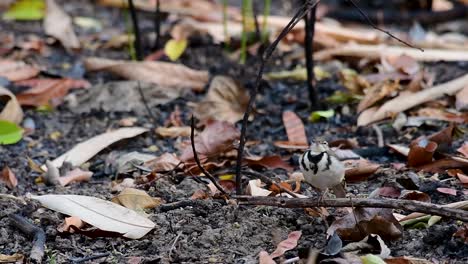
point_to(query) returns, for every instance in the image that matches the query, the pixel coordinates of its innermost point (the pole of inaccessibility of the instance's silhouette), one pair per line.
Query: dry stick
(197, 160)
(413, 206)
(157, 25)
(39, 239)
(309, 53)
(145, 103)
(379, 29)
(264, 57)
(269, 181)
(136, 31)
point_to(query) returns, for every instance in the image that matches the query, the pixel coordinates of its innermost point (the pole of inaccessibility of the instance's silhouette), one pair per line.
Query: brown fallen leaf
(17, 70)
(58, 24)
(173, 132)
(76, 175)
(166, 74)
(359, 170)
(67, 224)
(406, 101)
(376, 93)
(403, 63)
(378, 221)
(272, 162)
(294, 128)
(11, 110)
(440, 114)
(9, 178)
(462, 233)
(407, 260)
(461, 99)
(448, 191)
(217, 137)
(415, 196)
(463, 178)
(421, 152)
(165, 162)
(264, 258)
(48, 91)
(441, 165)
(136, 199)
(226, 100)
(200, 195)
(287, 244)
(464, 149)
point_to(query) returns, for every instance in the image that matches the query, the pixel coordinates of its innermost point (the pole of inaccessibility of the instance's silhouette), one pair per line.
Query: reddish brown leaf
(421, 152)
(275, 189)
(48, 91)
(67, 224)
(403, 63)
(462, 233)
(217, 137)
(272, 162)
(415, 196)
(448, 191)
(442, 165)
(165, 162)
(407, 260)
(265, 258)
(76, 175)
(464, 149)
(461, 102)
(17, 70)
(444, 137)
(358, 170)
(288, 244)
(389, 191)
(443, 115)
(9, 178)
(294, 128)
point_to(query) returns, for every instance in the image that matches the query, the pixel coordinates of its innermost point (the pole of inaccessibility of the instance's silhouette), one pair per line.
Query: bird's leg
(322, 194)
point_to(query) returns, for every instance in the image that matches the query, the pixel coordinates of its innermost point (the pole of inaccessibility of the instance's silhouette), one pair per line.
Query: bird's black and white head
(318, 147)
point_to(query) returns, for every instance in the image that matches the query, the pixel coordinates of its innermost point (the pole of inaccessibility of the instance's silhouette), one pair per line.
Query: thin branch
(309, 53)
(264, 57)
(136, 31)
(378, 28)
(145, 103)
(39, 238)
(408, 205)
(269, 181)
(197, 160)
(157, 25)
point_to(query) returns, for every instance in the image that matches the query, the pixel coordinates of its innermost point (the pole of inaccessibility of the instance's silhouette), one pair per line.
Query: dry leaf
(226, 100)
(12, 110)
(15, 258)
(170, 75)
(48, 91)
(358, 170)
(264, 258)
(165, 162)
(407, 260)
(271, 162)
(288, 244)
(85, 150)
(403, 63)
(136, 199)
(448, 191)
(461, 98)
(9, 178)
(67, 224)
(464, 149)
(440, 114)
(217, 137)
(440, 166)
(102, 214)
(173, 132)
(290, 145)
(421, 152)
(254, 188)
(406, 101)
(376, 93)
(294, 128)
(76, 175)
(17, 70)
(58, 24)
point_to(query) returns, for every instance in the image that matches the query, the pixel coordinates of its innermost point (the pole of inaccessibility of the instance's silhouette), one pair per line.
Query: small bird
(321, 168)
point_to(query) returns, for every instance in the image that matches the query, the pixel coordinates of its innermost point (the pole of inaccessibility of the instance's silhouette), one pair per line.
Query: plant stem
(309, 53)
(266, 13)
(157, 25)
(136, 31)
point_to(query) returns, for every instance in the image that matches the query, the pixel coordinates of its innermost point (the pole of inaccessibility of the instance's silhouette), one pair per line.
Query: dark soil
(209, 231)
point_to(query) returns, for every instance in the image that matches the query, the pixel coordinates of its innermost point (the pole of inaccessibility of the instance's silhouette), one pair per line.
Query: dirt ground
(209, 231)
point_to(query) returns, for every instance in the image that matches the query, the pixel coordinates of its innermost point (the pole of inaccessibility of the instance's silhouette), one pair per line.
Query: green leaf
(372, 259)
(317, 115)
(10, 133)
(339, 97)
(26, 10)
(175, 48)
(417, 223)
(299, 74)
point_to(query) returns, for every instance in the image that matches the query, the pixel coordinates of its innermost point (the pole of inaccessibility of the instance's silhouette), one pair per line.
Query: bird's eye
(325, 143)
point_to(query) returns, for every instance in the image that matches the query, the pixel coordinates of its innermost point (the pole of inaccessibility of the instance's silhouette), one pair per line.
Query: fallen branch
(376, 51)
(39, 239)
(408, 205)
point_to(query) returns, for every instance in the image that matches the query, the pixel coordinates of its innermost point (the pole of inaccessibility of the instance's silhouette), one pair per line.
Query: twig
(269, 181)
(264, 57)
(257, 25)
(379, 134)
(412, 206)
(309, 53)
(136, 31)
(197, 160)
(145, 103)
(179, 204)
(174, 243)
(84, 259)
(157, 26)
(39, 239)
(378, 28)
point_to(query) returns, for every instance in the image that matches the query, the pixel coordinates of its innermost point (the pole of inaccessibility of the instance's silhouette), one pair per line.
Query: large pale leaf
(58, 24)
(102, 214)
(12, 110)
(163, 73)
(85, 150)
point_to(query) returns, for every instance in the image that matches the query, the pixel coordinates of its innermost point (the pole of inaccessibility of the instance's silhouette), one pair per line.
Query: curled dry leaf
(136, 199)
(173, 132)
(85, 150)
(358, 170)
(76, 175)
(217, 137)
(11, 110)
(406, 101)
(102, 214)
(378, 221)
(166, 74)
(165, 162)
(58, 24)
(295, 128)
(377, 92)
(271, 162)
(9, 178)
(254, 188)
(17, 70)
(48, 91)
(461, 102)
(70, 224)
(421, 152)
(288, 244)
(226, 100)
